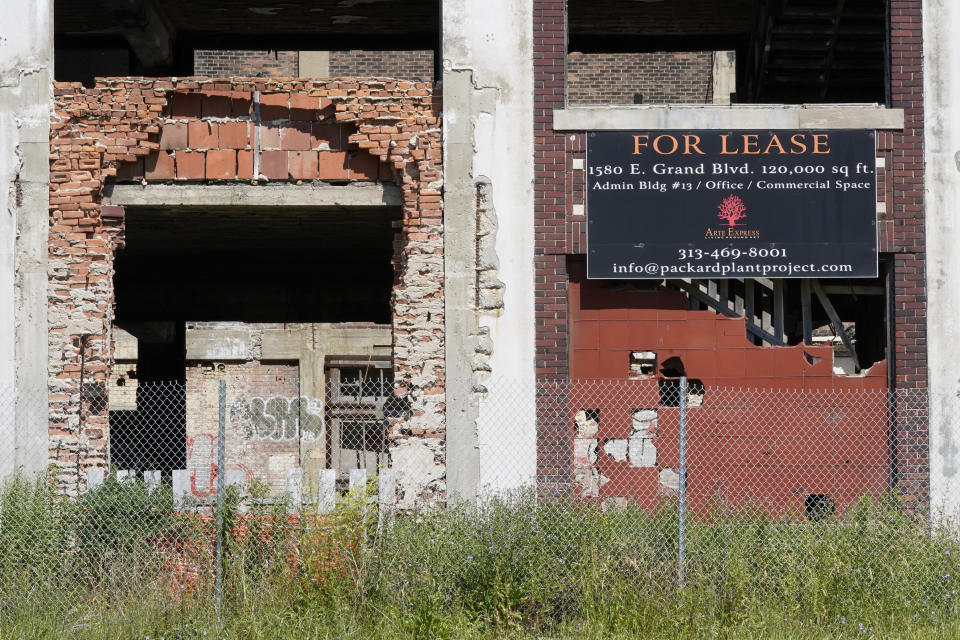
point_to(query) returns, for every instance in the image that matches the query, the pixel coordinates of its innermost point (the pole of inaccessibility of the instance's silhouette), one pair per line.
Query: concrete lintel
(739, 116)
(373, 340)
(222, 344)
(314, 196)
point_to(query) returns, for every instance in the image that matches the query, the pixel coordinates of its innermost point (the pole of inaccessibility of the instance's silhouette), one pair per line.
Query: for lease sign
(731, 204)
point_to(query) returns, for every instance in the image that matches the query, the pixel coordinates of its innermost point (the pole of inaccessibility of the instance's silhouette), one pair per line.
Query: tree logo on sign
(731, 210)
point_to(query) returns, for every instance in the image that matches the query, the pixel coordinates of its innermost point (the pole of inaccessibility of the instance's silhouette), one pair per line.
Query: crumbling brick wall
(117, 130)
(657, 77)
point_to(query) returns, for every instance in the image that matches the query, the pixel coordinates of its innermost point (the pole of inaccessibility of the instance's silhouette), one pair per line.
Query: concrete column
(941, 69)
(488, 244)
(724, 76)
(26, 74)
(314, 64)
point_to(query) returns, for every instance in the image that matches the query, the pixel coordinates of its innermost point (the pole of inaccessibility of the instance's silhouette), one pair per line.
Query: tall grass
(120, 563)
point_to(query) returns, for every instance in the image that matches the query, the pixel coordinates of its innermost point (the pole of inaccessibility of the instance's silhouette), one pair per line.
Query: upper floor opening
(736, 51)
(222, 38)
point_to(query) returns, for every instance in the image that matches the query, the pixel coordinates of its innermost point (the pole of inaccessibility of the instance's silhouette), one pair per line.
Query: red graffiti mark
(247, 470)
(208, 491)
(203, 449)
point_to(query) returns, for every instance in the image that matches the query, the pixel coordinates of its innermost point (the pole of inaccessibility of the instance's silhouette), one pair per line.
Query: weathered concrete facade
(487, 75)
(941, 85)
(26, 74)
(491, 229)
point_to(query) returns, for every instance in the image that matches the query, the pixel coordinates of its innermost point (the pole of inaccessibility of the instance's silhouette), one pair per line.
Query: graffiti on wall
(279, 418)
(201, 457)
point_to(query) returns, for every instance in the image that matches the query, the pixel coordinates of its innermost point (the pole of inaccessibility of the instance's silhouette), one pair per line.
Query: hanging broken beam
(835, 319)
(694, 292)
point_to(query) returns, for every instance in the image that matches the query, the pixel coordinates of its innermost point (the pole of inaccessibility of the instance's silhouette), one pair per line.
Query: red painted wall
(772, 428)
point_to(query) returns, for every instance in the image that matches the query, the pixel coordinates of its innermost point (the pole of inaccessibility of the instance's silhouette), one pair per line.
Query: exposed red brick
(269, 137)
(296, 137)
(241, 104)
(303, 165)
(159, 165)
(325, 134)
(333, 165)
(302, 102)
(190, 165)
(203, 135)
(221, 164)
(273, 165)
(173, 135)
(245, 165)
(185, 105)
(130, 170)
(363, 166)
(108, 130)
(274, 106)
(234, 135)
(215, 105)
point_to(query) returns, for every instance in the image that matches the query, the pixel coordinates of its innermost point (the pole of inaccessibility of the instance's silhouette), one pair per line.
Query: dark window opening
(748, 51)
(222, 39)
(818, 506)
(670, 392)
(359, 402)
(255, 266)
(148, 403)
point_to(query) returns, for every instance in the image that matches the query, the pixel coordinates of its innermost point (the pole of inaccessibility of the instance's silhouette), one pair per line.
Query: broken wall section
(655, 77)
(100, 133)
(408, 64)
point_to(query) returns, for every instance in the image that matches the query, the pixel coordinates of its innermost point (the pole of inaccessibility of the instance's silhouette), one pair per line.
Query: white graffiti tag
(279, 418)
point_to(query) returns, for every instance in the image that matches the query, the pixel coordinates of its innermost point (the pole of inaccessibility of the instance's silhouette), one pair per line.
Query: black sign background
(669, 220)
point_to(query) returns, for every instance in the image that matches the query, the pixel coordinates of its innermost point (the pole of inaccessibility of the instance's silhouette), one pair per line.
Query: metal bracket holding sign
(731, 204)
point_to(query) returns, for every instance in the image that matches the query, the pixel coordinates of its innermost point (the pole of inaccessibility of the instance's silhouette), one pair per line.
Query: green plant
(509, 567)
(121, 515)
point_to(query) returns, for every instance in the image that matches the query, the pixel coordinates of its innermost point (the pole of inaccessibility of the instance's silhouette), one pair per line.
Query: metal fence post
(221, 473)
(682, 521)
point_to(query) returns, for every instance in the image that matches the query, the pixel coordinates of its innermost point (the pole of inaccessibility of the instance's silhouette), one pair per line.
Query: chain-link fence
(654, 487)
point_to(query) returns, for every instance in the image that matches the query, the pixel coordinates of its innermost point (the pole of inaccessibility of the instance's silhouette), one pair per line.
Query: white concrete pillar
(488, 156)
(26, 74)
(941, 21)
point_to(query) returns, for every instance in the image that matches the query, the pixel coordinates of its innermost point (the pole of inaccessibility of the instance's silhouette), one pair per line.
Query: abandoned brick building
(388, 201)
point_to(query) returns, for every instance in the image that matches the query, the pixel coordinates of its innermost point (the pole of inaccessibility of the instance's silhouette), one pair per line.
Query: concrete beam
(739, 116)
(314, 196)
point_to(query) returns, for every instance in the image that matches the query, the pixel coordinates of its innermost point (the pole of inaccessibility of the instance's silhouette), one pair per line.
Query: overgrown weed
(119, 562)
